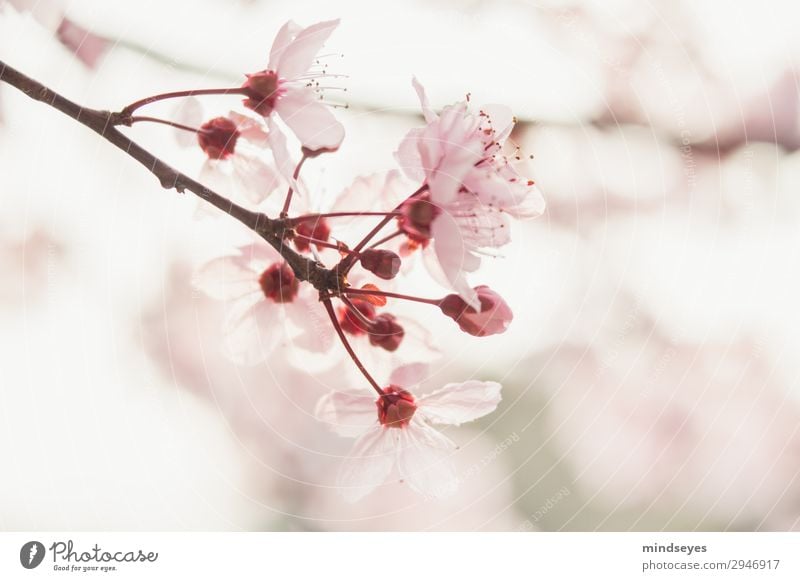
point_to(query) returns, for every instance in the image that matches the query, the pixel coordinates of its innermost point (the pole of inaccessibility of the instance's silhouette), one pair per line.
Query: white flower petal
(409, 157)
(456, 403)
(427, 112)
(188, 112)
(297, 55)
(454, 258)
(347, 413)
(251, 129)
(310, 317)
(368, 465)
(283, 39)
(310, 120)
(226, 278)
(280, 151)
(423, 459)
(418, 344)
(253, 333)
(501, 120)
(255, 179)
(409, 375)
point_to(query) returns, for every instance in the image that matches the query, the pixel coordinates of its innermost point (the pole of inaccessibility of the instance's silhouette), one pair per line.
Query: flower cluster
(452, 202)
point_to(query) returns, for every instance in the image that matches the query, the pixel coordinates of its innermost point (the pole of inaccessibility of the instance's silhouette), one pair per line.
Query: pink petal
(189, 112)
(297, 56)
(408, 155)
(456, 403)
(371, 193)
(280, 151)
(253, 333)
(368, 465)
(495, 190)
(427, 112)
(409, 375)
(481, 226)
(347, 413)
(226, 278)
(254, 178)
(419, 344)
(87, 46)
(529, 205)
(310, 120)
(283, 39)
(308, 315)
(502, 121)
(423, 460)
(457, 161)
(253, 130)
(454, 258)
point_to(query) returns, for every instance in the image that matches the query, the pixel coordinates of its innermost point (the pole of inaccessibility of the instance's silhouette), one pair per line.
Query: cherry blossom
(266, 303)
(395, 431)
(236, 147)
(289, 87)
(471, 188)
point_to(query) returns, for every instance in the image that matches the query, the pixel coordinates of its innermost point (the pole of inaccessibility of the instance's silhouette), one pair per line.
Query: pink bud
(386, 332)
(396, 407)
(382, 263)
(494, 317)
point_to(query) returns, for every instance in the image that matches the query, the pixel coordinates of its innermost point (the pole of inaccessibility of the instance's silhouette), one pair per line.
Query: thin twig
(105, 123)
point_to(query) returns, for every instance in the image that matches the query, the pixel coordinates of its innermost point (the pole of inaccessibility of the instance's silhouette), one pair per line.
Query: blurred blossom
(702, 430)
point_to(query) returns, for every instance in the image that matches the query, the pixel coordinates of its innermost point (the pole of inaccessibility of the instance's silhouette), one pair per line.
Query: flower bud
(494, 316)
(386, 332)
(382, 263)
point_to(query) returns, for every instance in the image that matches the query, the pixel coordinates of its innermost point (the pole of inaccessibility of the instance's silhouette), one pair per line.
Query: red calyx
(416, 216)
(396, 407)
(386, 332)
(279, 283)
(317, 229)
(262, 91)
(218, 138)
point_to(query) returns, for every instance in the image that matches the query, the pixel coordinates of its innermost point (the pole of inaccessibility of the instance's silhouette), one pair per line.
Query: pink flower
(289, 88)
(267, 303)
(395, 430)
(472, 188)
(237, 149)
(461, 152)
(493, 317)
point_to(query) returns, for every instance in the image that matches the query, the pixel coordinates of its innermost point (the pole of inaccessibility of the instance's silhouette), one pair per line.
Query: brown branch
(105, 123)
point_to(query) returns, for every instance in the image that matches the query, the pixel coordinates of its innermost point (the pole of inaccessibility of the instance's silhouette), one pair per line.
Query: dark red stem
(380, 293)
(128, 111)
(348, 348)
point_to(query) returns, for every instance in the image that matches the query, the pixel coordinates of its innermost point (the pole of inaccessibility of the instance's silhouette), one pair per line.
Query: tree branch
(105, 123)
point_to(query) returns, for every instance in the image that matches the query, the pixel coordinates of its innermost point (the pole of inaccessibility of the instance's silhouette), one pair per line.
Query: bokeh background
(650, 375)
